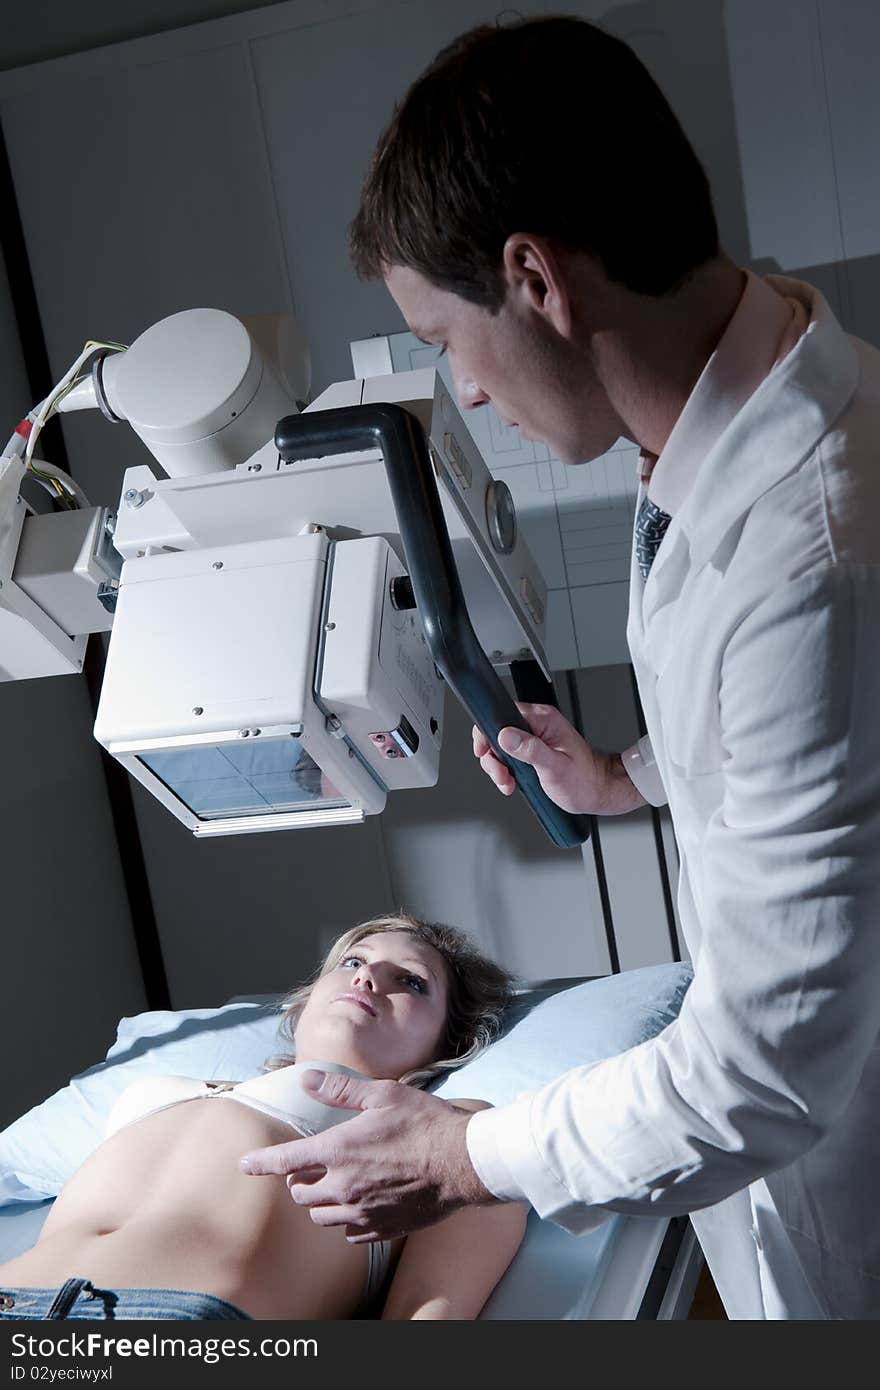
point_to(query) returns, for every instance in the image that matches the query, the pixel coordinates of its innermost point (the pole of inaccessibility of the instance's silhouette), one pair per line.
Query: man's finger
(356, 1237)
(550, 725)
(529, 748)
(280, 1159)
(312, 1193)
(497, 773)
(305, 1176)
(337, 1216)
(491, 764)
(346, 1092)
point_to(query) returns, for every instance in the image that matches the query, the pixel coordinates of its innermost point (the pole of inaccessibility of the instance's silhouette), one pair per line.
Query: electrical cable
(24, 438)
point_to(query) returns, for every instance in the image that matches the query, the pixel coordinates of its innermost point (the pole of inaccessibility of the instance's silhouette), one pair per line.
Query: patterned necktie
(651, 527)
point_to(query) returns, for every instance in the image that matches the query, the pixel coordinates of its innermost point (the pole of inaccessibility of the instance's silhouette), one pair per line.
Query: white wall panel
(69, 965)
(561, 635)
(251, 914)
(850, 36)
(633, 868)
(670, 852)
(159, 201)
(14, 399)
(785, 151)
(684, 45)
(599, 612)
(850, 42)
(465, 854)
(327, 93)
(69, 961)
(635, 888)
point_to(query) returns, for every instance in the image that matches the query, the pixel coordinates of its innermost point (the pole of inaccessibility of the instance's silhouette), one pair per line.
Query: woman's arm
(449, 1270)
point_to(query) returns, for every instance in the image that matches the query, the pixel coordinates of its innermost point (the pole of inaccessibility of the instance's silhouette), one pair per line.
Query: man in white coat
(571, 269)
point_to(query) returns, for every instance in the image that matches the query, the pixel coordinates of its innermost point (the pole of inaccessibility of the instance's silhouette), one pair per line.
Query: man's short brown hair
(547, 126)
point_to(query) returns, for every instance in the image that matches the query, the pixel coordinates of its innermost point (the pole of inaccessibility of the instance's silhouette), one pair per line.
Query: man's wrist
(621, 793)
(465, 1187)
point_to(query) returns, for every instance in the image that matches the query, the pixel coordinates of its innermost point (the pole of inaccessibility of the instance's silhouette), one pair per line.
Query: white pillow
(42, 1149)
(584, 1024)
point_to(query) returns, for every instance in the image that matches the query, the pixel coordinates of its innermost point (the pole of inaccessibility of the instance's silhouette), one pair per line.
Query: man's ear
(536, 276)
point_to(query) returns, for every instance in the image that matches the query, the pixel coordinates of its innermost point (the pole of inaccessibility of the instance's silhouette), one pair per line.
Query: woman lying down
(160, 1222)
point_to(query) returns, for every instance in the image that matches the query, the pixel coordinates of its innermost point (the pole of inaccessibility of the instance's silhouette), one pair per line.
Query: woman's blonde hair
(478, 992)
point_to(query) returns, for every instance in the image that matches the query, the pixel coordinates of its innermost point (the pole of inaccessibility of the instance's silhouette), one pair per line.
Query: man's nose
(469, 394)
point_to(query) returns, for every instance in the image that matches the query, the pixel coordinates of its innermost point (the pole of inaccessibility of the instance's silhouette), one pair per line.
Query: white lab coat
(756, 643)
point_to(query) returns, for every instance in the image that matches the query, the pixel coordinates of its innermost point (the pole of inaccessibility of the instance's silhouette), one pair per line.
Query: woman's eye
(350, 961)
(416, 982)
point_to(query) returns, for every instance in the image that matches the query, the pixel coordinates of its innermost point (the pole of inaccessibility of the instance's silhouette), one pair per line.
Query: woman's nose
(363, 979)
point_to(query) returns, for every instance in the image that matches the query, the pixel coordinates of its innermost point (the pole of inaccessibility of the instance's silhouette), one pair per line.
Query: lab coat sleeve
(642, 770)
(773, 1033)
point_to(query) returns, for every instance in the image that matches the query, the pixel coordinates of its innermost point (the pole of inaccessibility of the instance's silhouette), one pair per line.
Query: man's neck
(650, 351)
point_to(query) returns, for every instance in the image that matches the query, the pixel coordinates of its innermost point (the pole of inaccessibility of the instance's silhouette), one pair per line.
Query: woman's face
(382, 1010)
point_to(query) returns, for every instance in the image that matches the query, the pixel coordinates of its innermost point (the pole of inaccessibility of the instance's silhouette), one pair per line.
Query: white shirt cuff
(508, 1162)
(642, 770)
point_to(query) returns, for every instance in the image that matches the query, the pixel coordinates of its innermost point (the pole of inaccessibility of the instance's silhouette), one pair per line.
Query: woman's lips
(357, 999)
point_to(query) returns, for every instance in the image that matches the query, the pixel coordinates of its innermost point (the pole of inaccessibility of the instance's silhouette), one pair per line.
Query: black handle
(450, 636)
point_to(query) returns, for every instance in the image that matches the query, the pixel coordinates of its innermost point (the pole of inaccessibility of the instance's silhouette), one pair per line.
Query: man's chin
(573, 453)
(572, 457)
(586, 451)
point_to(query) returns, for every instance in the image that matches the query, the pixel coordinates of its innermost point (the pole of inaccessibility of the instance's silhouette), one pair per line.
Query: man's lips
(357, 999)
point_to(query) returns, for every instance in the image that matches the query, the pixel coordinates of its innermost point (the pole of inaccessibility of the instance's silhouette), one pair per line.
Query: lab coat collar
(750, 344)
(793, 407)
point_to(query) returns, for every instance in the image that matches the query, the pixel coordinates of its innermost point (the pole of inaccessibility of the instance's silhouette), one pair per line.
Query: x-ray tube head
(200, 386)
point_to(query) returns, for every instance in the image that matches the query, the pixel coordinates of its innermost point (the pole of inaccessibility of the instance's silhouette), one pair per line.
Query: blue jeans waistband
(80, 1300)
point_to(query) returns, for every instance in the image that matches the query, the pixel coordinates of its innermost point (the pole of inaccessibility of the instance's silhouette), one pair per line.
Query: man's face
(534, 377)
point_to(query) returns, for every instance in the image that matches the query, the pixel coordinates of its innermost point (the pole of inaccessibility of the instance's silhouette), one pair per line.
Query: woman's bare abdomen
(164, 1204)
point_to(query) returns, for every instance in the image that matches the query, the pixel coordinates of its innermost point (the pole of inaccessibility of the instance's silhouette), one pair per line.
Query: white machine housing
(199, 387)
(234, 670)
(33, 640)
(267, 667)
(260, 596)
(202, 389)
(349, 496)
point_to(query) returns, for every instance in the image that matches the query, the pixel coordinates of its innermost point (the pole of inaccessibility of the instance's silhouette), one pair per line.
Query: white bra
(276, 1093)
